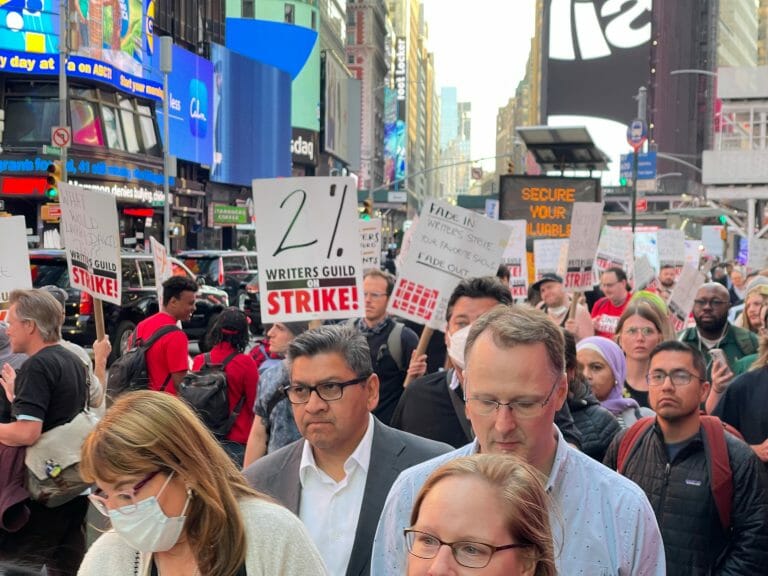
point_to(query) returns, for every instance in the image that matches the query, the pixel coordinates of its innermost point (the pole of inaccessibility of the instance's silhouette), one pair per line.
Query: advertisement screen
(190, 124)
(394, 139)
(108, 41)
(336, 109)
(251, 119)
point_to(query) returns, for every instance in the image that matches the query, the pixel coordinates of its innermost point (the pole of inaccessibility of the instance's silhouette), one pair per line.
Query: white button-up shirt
(329, 509)
(603, 521)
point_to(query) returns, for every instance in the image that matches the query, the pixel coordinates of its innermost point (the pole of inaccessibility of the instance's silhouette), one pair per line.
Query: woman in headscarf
(604, 366)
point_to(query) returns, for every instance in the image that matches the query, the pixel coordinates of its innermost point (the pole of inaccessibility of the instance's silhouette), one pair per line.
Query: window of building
(29, 120)
(129, 126)
(112, 128)
(86, 128)
(350, 58)
(314, 20)
(148, 132)
(248, 9)
(290, 14)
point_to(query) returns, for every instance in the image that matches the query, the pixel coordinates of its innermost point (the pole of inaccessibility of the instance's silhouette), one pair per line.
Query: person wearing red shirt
(230, 335)
(168, 358)
(607, 311)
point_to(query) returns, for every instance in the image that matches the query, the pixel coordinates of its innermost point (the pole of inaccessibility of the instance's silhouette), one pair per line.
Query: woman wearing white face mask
(177, 504)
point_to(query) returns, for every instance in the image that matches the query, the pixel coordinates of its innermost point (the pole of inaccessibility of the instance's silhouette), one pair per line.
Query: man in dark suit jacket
(337, 477)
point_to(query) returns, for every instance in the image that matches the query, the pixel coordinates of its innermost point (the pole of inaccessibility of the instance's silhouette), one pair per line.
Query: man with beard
(607, 311)
(666, 281)
(556, 302)
(712, 330)
(671, 460)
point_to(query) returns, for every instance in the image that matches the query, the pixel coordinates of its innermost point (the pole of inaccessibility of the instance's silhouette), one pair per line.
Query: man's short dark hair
(666, 266)
(621, 276)
(481, 287)
(384, 275)
(503, 273)
(699, 365)
(175, 285)
(342, 339)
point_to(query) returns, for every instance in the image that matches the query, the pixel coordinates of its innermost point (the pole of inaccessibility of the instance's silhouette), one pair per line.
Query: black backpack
(129, 372)
(206, 392)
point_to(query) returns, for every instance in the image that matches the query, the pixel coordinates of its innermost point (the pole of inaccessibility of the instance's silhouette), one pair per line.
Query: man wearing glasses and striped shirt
(514, 383)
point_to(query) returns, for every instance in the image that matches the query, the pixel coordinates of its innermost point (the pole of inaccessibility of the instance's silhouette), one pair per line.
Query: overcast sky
(481, 47)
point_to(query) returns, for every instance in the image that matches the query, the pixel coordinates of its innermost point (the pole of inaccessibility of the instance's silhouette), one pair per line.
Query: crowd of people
(570, 434)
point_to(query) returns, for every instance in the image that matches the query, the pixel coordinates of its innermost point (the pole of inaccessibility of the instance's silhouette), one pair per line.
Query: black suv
(235, 272)
(139, 299)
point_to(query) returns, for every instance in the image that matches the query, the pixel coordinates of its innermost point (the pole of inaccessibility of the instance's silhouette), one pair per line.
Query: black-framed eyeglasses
(468, 554)
(328, 391)
(678, 377)
(521, 408)
(714, 303)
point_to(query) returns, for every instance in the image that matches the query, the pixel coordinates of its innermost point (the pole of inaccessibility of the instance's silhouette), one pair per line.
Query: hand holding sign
(309, 241)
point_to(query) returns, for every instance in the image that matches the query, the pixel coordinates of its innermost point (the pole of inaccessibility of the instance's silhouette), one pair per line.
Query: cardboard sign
(514, 258)
(405, 245)
(684, 293)
(14, 260)
(370, 243)
(585, 235)
(671, 249)
(692, 253)
(449, 245)
(550, 256)
(91, 241)
(644, 273)
(758, 254)
(163, 267)
(615, 250)
(309, 249)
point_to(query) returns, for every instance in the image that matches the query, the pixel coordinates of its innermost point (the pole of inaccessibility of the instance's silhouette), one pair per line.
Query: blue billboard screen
(190, 85)
(251, 119)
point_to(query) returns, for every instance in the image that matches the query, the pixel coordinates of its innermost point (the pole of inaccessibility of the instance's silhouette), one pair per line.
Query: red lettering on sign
(98, 285)
(331, 299)
(302, 301)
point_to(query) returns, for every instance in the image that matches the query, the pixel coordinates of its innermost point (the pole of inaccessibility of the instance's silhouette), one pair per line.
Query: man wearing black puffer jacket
(670, 461)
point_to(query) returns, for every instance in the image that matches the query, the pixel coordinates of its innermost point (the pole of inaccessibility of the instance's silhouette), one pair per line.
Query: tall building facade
(368, 59)
(737, 33)
(455, 152)
(762, 33)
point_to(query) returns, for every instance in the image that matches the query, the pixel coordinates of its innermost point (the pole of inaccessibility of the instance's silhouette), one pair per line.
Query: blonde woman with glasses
(177, 504)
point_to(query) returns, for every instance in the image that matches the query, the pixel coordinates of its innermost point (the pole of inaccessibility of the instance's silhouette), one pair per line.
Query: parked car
(235, 272)
(139, 300)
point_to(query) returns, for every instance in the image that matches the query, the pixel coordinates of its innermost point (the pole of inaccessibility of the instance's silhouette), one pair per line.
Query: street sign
(646, 166)
(642, 205)
(637, 134)
(61, 136)
(51, 150)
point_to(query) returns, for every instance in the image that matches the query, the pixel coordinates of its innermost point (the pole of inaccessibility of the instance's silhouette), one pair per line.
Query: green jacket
(737, 344)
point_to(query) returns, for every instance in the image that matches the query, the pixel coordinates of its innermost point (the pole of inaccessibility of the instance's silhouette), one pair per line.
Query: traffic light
(723, 219)
(366, 210)
(54, 177)
(510, 166)
(623, 181)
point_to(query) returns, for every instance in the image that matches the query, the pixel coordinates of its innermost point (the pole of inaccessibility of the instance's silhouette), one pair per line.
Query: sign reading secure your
(61, 136)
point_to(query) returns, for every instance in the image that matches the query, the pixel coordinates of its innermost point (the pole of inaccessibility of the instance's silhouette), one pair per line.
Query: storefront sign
(309, 249)
(303, 146)
(85, 168)
(225, 215)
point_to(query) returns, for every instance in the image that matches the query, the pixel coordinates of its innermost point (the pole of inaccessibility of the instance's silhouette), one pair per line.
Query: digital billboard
(335, 108)
(108, 41)
(394, 139)
(251, 119)
(190, 87)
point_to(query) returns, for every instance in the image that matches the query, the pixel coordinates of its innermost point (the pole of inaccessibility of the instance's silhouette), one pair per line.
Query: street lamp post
(166, 66)
(63, 54)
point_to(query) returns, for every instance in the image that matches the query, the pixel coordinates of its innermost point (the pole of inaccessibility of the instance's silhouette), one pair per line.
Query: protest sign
(615, 250)
(645, 245)
(684, 293)
(370, 243)
(14, 259)
(449, 245)
(163, 267)
(758, 254)
(91, 241)
(550, 256)
(670, 245)
(692, 253)
(514, 258)
(405, 245)
(644, 273)
(309, 249)
(582, 246)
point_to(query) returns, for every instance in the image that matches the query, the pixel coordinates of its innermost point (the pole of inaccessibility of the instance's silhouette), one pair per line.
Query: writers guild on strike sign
(104, 285)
